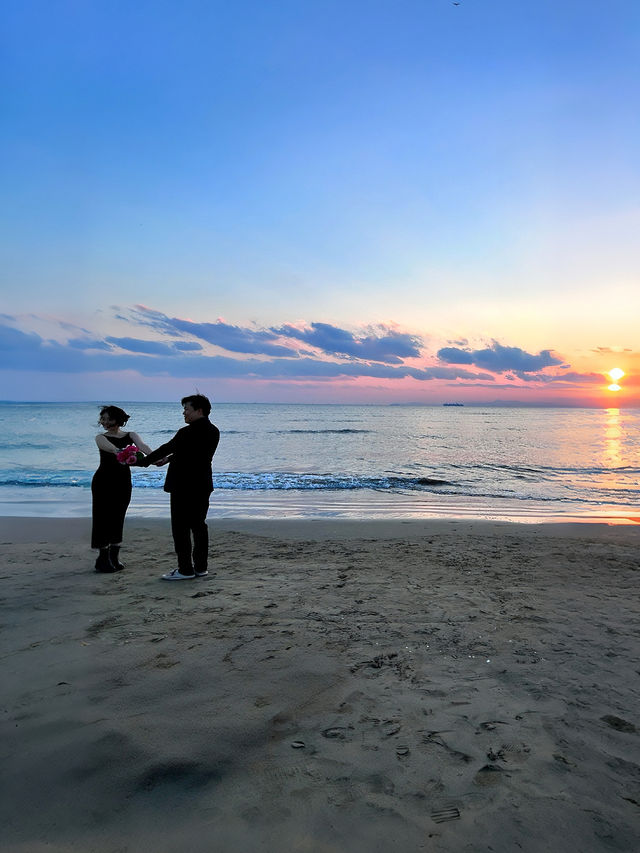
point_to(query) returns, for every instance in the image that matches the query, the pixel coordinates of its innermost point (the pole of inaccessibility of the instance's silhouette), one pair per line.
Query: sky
(364, 201)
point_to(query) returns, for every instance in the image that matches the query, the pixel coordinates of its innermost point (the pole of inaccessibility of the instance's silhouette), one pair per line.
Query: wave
(345, 431)
(46, 478)
(331, 482)
(18, 444)
(280, 480)
(482, 481)
(545, 470)
(320, 431)
(286, 481)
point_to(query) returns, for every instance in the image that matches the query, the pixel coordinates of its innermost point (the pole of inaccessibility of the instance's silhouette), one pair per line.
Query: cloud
(188, 346)
(149, 358)
(29, 351)
(454, 355)
(71, 327)
(390, 347)
(574, 379)
(142, 346)
(225, 367)
(223, 335)
(135, 345)
(13, 340)
(88, 343)
(26, 350)
(500, 359)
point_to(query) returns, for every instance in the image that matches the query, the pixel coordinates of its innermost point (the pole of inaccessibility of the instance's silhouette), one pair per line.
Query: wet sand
(331, 686)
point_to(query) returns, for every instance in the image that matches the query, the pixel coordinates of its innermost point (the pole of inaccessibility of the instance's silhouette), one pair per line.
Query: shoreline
(31, 529)
(442, 685)
(306, 506)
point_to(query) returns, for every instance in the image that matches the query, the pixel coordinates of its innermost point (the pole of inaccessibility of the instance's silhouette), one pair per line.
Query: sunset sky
(316, 201)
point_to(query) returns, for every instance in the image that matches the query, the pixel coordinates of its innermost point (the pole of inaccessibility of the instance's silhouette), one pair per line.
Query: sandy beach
(331, 686)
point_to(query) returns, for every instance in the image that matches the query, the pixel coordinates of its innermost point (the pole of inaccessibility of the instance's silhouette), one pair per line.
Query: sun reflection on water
(613, 439)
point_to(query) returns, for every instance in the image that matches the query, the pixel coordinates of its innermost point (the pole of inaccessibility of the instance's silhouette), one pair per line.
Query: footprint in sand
(446, 814)
(338, 732)
(179, 775)
(516, 753)
(490, 725)
(108, 622)
(383, 728)
(162, 661)
(490, 774)
(618, 723)
(437, 739)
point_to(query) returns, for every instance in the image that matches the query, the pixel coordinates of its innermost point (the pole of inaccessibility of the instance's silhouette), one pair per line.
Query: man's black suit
(190, 484)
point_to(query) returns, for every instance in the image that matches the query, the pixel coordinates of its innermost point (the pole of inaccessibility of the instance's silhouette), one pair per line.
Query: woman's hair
(115, 413)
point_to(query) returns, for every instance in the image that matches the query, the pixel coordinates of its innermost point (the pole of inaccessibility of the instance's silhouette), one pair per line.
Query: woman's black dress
(111, 492)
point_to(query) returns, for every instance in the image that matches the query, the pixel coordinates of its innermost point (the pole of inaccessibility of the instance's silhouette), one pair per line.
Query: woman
(111, 487)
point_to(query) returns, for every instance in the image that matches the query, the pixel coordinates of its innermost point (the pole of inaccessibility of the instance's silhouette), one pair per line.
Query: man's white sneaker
(202, 574)
(176, 575)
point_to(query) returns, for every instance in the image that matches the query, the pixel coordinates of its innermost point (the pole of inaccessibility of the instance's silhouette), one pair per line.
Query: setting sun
(615, 373)
(613, 387)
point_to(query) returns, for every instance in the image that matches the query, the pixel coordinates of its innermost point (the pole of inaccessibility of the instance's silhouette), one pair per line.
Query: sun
(615, 373)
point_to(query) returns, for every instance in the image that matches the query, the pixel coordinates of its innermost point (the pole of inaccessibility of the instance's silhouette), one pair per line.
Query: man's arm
(160, 453)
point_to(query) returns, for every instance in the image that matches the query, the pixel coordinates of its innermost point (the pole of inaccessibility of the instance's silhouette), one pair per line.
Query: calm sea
(344, 461)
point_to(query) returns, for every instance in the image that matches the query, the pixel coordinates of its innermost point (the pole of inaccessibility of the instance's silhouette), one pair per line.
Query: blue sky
(366, 201)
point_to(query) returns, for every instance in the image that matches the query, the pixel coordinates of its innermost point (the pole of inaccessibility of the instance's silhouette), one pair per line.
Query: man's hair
(198, 401)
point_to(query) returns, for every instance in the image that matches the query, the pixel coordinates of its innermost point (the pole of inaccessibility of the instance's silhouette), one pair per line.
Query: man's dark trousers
(188, 517)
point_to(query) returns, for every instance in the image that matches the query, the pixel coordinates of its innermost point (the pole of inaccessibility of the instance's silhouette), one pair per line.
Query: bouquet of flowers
(130, 455)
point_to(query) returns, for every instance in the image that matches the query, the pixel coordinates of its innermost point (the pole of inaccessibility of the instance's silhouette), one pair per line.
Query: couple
(188, 481)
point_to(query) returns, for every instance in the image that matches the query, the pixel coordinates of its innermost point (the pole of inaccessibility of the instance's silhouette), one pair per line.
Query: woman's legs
(114, 553)
(109, 507)
(103, 563)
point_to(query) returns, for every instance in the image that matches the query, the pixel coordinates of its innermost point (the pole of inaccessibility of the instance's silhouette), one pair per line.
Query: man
(189, 482)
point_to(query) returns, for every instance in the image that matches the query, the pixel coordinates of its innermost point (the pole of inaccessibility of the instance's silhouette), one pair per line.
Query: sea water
(305, 461)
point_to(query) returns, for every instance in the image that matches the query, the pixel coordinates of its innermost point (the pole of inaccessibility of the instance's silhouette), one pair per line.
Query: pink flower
(129, 456)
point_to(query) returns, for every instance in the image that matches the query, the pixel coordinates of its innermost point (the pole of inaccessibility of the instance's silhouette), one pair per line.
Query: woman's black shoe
(103, 563)
(114, 551)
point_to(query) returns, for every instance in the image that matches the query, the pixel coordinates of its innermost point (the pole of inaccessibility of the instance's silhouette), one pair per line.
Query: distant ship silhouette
(453, 404)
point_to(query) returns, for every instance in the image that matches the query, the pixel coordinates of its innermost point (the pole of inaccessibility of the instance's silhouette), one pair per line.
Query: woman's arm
(104, 444)
(139, 443)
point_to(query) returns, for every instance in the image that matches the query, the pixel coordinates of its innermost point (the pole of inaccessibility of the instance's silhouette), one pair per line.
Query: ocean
(307, 461)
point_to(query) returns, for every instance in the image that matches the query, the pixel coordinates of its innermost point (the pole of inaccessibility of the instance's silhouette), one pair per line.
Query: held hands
(137, 459)
(130, 455)
(142, 462)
